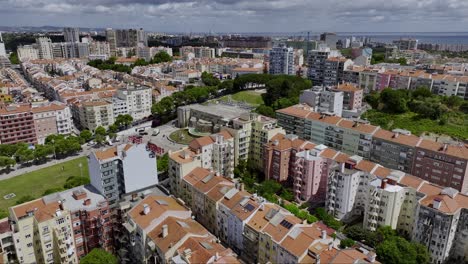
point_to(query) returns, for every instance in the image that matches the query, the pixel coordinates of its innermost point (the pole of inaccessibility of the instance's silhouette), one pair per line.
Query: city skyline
(241, 16)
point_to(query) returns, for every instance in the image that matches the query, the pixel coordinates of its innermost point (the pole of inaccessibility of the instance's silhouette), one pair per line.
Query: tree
(347, 242)
(86, 135)
(100, 131)
(24, 199)
(394, 101)
(112, 129)
(6, 162)
(99, 138)
(42, 151)
(266, 110)
(161, 56)
(163, 163)
(74, 181)
(25, 155)
(421, 92)
(99, 256)
(209, 80)
(373, 99)
(464, 107)
(123, 120)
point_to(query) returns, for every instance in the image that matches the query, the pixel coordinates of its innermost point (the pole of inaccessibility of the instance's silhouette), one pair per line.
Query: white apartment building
(122, 169)
(138, 99)
(282, 60)
(322, 99)
(385, 199)
(27, 52)
(2, 47)
(44, 46)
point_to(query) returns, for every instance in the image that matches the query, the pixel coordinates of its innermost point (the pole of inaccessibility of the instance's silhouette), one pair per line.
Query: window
(29, 244)
(60, 221)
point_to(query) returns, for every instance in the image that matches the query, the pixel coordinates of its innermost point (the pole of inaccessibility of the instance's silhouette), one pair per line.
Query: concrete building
(52, 119)
(71, 34)
(2, 47)
(90, 218)
(406, 44)
(17, 124)
(159, 229)
(27, 52)
(126, 37)
(385, 199)
(322, 99)
(138, 100)
(263, 129)
(99, 49)
(282, 60)
(93, 114)
(316, 64)
(442, 164)
(44, 46)
(7, 243)
(118, 170)
(330, 39)
(43, 232)
(352, 96)
(142, 37)
(333, 70)
(111, 38)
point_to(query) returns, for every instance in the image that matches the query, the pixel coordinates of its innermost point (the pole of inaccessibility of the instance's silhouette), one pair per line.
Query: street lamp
(55, 156)
(81, 169)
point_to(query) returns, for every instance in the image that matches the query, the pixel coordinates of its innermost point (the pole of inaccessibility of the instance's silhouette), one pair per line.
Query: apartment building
(435, 162)
(279, 156)
(442, 164)
(93, 114)
(323, 99)
(241, 131)
(118, 170)
(281, 60)
(333, 71)
(406, 44)
(384, 204)
(441, 223)
(27, 52)
(311, 171)
(52, 119)
(71, 34)
(160, 229)
(7, 244)
(138, 101)
(43, 232)
(181, 163)
(44, 46)
(17, 124)
(394, 149)
(263, 129)
(202, 190)
(352, 96)
(316, 61)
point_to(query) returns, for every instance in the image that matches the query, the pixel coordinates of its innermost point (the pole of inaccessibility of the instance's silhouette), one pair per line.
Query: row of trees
(57, 145)
(190, 95)
(110, 64)
(390, 247)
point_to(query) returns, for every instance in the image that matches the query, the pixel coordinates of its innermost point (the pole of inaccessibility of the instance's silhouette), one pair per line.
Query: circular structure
(181, 136)
(193, 132)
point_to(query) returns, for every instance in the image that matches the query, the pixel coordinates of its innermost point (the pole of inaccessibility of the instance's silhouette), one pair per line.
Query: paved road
(160, 140)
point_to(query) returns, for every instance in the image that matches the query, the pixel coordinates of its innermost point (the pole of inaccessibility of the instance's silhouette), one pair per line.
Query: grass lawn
(36, 182)
(455, 127)
(250, 97)
(181, 136)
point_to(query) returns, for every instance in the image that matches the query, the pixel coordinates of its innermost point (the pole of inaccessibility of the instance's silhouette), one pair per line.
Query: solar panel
(161, 202)
(182, 224)
(207, 178)
(286, 224)
(206, 245)
(249, 207)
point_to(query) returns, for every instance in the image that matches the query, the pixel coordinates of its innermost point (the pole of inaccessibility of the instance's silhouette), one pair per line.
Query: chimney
(383, 184)
(165, 231)
(60, 205)
(217, 256)
(330, 246)
(87, 202)
(146, 209)
(262, 207)
(396, 135)
(324, 234)
(371, 257)
(436, 203)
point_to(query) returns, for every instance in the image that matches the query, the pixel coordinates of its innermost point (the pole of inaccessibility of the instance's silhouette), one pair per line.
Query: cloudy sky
(242, 15)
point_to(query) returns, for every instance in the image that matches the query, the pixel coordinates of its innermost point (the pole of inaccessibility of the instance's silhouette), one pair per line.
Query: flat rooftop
(221, 110)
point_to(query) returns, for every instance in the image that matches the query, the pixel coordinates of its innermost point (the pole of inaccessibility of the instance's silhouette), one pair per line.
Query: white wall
(139, 169)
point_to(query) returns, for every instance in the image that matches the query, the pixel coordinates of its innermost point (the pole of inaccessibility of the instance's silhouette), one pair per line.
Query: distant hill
(43, 29)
